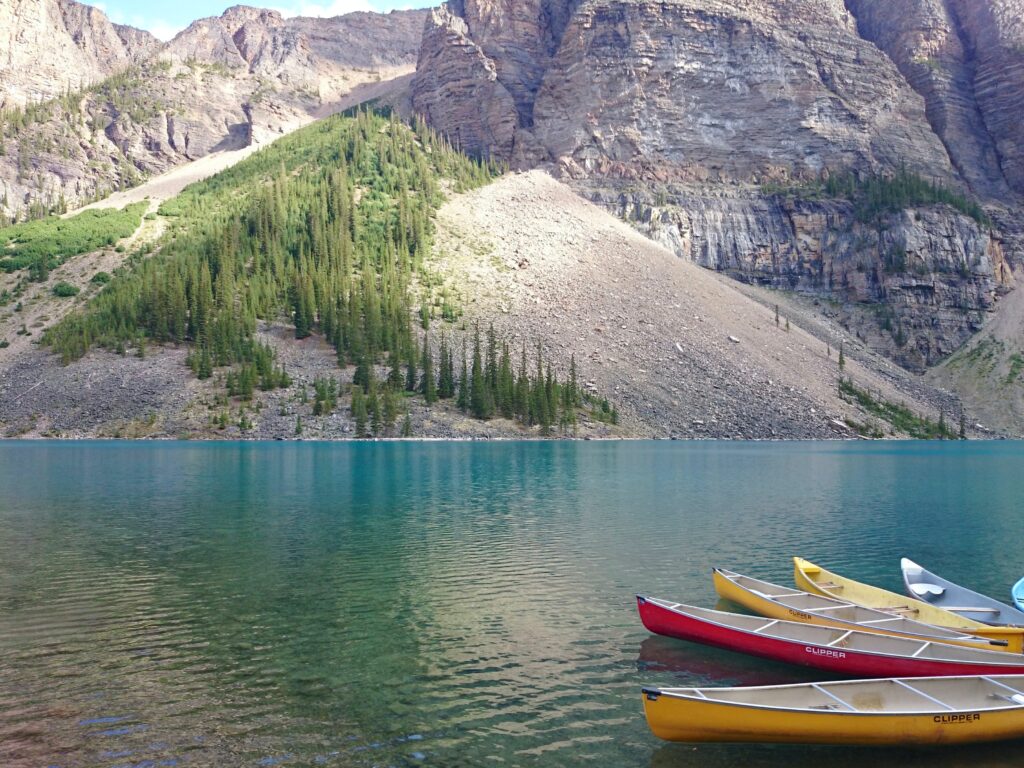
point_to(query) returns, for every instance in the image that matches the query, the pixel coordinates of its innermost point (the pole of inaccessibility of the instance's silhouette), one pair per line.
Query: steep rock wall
(50, 47)
(927, 277)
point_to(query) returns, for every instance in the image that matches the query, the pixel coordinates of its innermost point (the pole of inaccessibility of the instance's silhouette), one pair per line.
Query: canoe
(1018, 594)
(942, 593)
(839, 651)
(887, 712)
(778, 602)
(813, 578)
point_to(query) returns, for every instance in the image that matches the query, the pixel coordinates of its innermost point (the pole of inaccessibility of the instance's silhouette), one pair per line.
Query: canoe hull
(688, 720)
(731, 591)
(873, 597)
(1018, 594)
(836, 660)
(952, 597)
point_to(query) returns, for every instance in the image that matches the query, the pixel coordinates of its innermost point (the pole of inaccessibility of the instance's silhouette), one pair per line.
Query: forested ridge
(329, 230)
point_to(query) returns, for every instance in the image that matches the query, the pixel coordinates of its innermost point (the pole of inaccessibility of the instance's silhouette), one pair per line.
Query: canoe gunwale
(918, 631)
(958, 599)
(999, 661)
(675, 694)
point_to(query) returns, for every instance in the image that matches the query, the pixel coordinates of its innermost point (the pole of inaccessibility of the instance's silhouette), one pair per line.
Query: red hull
(663, 621)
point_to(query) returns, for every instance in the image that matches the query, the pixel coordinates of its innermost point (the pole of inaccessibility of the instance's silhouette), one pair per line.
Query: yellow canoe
(788, 604)
(816, 580)
(887, 712)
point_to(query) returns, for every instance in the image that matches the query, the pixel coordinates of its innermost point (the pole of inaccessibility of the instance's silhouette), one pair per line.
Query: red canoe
(840, 651)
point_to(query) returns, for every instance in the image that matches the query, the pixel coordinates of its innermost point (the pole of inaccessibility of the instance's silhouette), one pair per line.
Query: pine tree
(446, 385)
(359, 413)
(410, 371)
(574, 385)
(480, 403)
(390, 408)
(407, 425)
(395, 377)
(374, 409)
(521, 401)
(842, 358)
(463, 398)
(506, 385)
(428, 386)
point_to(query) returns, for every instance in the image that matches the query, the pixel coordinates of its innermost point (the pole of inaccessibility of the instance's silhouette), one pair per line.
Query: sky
(165, 18)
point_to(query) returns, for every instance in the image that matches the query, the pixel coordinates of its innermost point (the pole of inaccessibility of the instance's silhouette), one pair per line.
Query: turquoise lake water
(439, 604)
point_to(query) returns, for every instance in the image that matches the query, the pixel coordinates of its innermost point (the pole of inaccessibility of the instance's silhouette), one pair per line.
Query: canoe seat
(829, 585)
(924, 589)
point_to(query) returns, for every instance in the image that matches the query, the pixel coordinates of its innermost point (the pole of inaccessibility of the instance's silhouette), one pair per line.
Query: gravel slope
(681, 349)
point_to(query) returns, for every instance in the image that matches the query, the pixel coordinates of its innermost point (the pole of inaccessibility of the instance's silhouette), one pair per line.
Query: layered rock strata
(225, 82)
(677, 115)
(50, 47)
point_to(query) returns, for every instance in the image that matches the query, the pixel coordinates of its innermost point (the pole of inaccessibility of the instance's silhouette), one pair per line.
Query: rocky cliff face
(49, 47)
(994, 34)
(677, 114)
(925, 41)
(928, 275)
(248, 75)
(691, 89)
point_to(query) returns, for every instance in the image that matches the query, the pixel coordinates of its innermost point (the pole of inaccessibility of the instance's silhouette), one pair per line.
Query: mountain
(715, 126)
(315, 284)
(51, 47)
(854, 166)
(226, 82)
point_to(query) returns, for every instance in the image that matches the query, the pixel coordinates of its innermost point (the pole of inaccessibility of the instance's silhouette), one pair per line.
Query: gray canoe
(926, 586)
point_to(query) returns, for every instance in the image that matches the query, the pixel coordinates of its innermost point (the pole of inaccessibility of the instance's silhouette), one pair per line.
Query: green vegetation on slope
(47, 243)
(876, 194)
(327, 229)
(58, 128)
(900, 417)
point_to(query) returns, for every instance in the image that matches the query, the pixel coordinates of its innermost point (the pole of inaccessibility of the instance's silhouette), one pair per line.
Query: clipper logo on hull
(952, 719)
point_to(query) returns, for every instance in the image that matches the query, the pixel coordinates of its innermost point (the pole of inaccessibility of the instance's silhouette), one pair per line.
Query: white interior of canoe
(847, 640)
(919, 694)
(842, 611)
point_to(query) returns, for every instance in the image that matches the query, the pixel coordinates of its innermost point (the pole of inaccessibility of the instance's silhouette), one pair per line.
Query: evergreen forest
(327, 230)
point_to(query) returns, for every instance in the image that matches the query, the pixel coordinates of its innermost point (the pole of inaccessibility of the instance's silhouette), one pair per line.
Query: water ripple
(440, 605)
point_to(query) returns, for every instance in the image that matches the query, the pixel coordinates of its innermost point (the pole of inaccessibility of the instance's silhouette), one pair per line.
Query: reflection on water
(435, 604)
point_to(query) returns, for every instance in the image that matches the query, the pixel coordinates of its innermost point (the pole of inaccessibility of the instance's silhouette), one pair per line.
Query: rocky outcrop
(923, 39)
(50, 47)
(456, 88)
(677, 115)
(932, 274)
(246, 76)
(395, 38)
(694, 89)
(994, 34)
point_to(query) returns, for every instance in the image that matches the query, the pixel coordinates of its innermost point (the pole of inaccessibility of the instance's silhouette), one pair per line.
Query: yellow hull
(682, 719)
(730, 591)
(815, 579)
